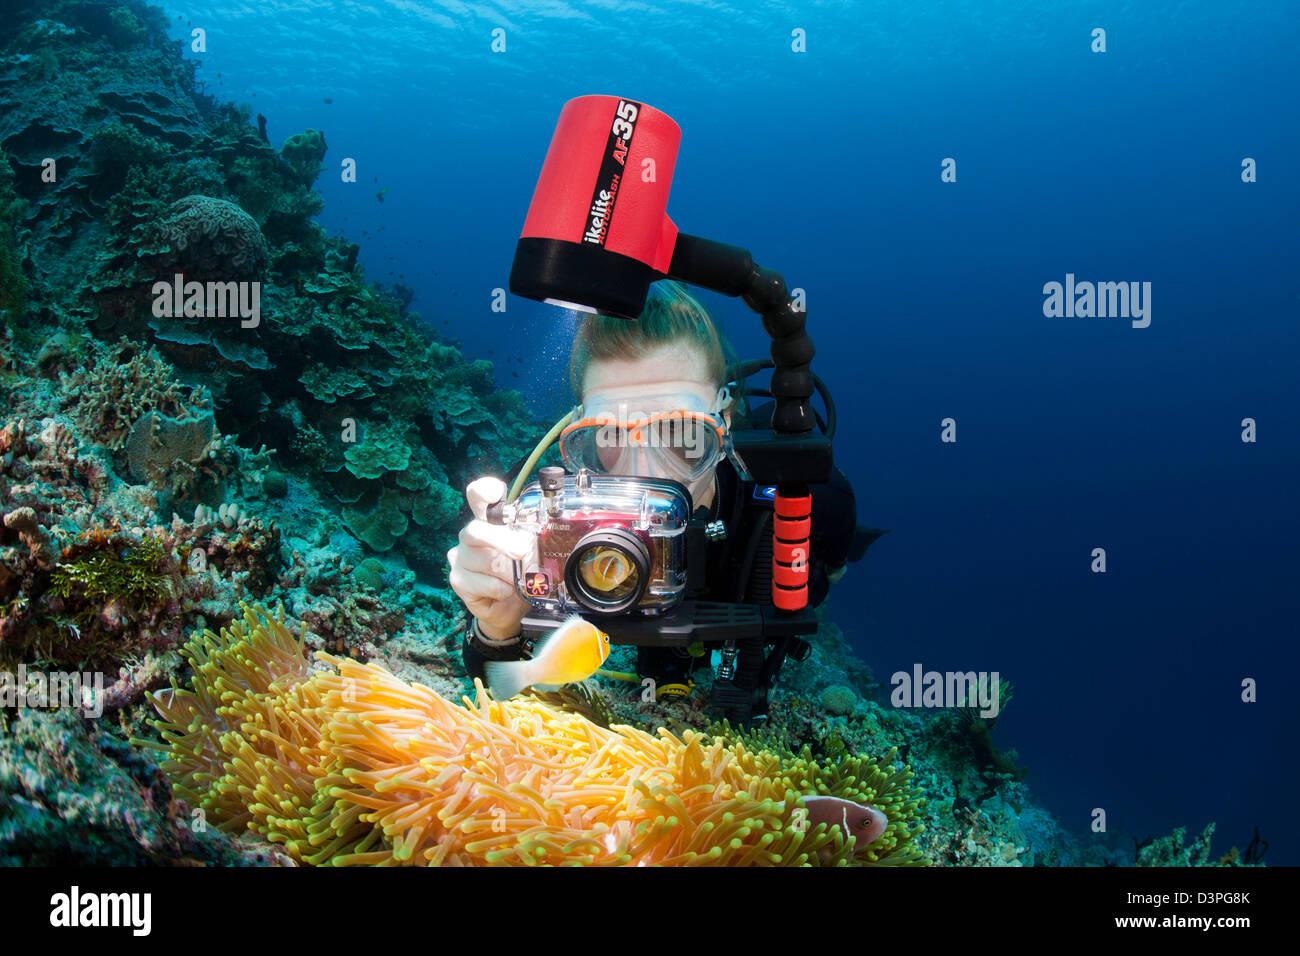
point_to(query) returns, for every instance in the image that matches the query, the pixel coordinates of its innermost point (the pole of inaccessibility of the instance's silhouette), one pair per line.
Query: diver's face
(669, 370)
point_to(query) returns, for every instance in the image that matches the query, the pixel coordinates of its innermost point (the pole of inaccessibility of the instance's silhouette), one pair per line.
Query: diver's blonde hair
(670, 315)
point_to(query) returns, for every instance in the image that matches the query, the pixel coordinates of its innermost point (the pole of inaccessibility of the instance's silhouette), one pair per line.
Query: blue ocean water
(925, 299)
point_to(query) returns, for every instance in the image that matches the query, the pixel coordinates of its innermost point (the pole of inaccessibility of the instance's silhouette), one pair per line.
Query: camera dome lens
(607, 570)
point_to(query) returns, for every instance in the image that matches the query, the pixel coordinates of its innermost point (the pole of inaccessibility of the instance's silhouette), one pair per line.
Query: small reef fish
(572, 652)
(860, 820)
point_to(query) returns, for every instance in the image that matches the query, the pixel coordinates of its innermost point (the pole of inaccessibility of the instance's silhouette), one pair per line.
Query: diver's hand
(482, 570)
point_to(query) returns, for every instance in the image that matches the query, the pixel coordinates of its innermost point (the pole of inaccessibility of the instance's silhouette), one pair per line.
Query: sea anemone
(351, 765)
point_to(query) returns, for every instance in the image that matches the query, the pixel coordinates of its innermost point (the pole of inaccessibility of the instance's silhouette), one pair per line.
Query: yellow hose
(619, 675)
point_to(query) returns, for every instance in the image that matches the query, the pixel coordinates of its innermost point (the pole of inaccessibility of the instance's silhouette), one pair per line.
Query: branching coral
(122, 382)
(308, 446)
(24, 523)
(353, 766)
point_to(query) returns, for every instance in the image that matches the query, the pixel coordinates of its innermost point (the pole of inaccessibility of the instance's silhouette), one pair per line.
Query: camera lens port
(607, 571)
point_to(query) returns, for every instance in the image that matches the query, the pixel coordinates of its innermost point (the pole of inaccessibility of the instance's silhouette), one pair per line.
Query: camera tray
(707, 621)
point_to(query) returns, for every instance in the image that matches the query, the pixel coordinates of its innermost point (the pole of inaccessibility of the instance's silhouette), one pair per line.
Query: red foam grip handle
(788, 552)
(798, 507)
(788, 577)
(792, 529)
(793, 600)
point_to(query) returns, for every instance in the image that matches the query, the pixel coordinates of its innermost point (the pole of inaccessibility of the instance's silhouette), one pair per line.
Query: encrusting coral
(351, 765)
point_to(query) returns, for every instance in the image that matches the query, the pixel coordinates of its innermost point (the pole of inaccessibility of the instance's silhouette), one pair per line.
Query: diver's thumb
(482, 492)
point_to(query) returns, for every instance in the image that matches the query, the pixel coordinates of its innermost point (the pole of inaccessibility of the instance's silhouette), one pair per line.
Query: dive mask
(682, 441)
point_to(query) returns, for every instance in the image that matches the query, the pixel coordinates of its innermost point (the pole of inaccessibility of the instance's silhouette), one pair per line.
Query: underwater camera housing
(606, 545)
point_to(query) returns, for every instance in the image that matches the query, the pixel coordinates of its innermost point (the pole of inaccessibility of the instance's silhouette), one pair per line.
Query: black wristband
(476, 652)
(489, 643)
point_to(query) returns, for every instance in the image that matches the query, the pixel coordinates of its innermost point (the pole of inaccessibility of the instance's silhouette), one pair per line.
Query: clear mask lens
(682, 447)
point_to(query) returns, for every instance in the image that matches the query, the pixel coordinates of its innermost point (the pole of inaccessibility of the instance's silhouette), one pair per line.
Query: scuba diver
(665, 373)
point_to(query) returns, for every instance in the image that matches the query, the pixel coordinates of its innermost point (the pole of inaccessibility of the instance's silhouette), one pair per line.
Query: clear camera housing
(605, 544)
